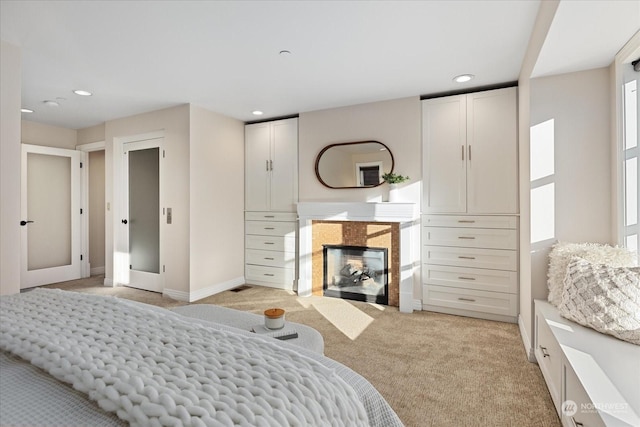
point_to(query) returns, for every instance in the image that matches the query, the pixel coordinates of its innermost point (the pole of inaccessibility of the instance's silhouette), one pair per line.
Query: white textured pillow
(597, 253)
(603, 298)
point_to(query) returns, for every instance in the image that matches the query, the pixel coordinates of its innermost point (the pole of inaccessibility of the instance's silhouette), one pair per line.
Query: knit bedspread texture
(155, 369)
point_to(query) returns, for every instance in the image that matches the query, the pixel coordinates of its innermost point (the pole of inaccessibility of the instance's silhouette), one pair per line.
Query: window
(630, 176)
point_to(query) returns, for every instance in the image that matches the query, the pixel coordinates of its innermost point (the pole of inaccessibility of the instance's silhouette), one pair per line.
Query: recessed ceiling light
(257, 113)
(26, 110)
(463, 78)
(82, 92)
(50, 103)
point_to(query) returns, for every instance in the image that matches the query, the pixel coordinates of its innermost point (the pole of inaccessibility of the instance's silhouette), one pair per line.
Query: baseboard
(417, 305)
(97, 271)
(204, 292)
(176, 295)
(108, 282)
(526, 340)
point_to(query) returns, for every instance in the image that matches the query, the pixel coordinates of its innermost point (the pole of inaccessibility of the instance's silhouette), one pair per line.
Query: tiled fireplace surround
(385, 225)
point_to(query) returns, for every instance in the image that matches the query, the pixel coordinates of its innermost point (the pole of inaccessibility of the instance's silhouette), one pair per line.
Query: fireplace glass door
(356, 272)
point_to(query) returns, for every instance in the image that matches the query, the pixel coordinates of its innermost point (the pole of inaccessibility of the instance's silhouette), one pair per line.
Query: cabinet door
(284, 173)
(492, 179)
(444, 155)
(257, 148)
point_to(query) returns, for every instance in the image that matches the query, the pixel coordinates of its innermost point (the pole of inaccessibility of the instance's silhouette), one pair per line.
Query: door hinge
(163, 269)
(130, 267)
(163, 153)
(80, 211)
(80, 257)
(80, 165)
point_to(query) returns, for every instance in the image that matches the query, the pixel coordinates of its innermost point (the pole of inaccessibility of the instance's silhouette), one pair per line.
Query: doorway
(139, 222)
(51, 215)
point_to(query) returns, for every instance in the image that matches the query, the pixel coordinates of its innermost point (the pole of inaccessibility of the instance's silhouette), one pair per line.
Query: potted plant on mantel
(393, 180)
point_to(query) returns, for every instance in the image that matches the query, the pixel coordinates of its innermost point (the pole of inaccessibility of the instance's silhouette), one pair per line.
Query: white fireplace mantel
(404, 213)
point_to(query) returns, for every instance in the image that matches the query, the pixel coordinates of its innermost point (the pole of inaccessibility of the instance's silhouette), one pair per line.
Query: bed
(77, 359)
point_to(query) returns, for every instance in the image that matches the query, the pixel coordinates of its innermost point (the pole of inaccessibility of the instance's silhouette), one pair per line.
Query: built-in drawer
(279, 276)
(496, 259)
(270, 216)
(470, 221)
(471, 278)
(488, 238)
(585, 412)
(275, 243)
(270, 228)
(468, 299)
(549, 357)
(270, 258)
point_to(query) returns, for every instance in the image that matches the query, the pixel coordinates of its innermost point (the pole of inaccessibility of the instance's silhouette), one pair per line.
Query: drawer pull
(466, 278)
(467, 299)
(269, 228)
(270, 259)
(269, 243)
(544, 352)
(466, 257)
(576, 423)
(466, 237)
(268, 274)
(466, 221)
(269, 216)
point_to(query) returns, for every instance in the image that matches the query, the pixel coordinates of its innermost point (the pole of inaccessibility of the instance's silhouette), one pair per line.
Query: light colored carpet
(433, 369)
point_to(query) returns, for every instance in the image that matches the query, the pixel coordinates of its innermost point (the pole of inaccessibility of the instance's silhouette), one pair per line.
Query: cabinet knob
(544, 352)
(576, 423)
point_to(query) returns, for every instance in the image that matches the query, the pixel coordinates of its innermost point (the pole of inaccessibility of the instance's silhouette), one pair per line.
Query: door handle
(124, 221)
(23, 223)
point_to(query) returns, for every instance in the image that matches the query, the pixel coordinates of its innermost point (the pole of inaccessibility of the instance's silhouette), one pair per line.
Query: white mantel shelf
(403, 213)
(358, 211)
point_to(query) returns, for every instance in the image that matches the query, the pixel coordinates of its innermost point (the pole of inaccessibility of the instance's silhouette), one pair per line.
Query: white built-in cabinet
(470, 155)
(271, 164)
(271, 195)
(470, 204)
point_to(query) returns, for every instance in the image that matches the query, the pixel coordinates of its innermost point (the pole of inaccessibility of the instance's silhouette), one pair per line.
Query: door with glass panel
(50, 207)
(141, 222)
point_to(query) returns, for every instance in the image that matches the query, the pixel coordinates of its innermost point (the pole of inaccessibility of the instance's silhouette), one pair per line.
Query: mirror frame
(350, 143)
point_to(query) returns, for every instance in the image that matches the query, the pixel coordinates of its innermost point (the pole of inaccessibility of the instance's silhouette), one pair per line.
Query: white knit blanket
(154, 369)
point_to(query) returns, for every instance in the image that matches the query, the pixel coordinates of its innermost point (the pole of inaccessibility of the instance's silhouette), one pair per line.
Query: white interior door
(51, 225)
(142, 224)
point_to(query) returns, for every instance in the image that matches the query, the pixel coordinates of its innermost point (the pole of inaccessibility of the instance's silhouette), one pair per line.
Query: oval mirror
(354, 164)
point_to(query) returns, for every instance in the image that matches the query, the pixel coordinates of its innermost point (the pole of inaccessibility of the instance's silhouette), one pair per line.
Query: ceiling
(140, 56)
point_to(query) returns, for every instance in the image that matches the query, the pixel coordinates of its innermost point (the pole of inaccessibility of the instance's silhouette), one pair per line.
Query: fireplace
(361, 224)
(356, 272)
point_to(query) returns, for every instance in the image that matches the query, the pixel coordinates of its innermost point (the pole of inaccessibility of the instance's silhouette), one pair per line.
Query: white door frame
(121, 273)
(84, 176)
(45, 276)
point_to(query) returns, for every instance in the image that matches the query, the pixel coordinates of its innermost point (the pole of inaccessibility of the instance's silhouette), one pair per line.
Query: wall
(47, 135)
(91, 134)
(10, 154)
(175, 124)
(96, 211)
(395, 123)
(216, 202)
(574, 108)
(546, 12)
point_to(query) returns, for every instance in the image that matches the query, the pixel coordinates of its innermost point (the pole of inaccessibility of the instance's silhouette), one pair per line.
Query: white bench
(308, 337)
(593, 378)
